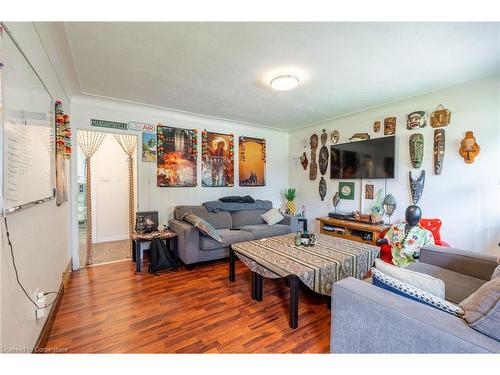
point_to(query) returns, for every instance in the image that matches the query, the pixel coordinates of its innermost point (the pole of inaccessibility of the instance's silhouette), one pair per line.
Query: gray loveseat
(369, 319)
(195, 247)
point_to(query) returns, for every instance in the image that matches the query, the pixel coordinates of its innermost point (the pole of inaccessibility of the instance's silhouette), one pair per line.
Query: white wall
(39, 234)
(465, 197)
(163, 200)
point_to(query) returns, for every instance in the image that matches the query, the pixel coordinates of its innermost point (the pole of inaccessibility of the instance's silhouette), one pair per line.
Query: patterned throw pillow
(203, 225)
(391, 284)
(272, 216)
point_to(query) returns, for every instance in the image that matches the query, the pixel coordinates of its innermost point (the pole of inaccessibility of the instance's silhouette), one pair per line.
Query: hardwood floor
(110, 309)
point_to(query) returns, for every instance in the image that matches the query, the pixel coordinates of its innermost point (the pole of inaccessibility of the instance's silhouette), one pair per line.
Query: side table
(138, 238)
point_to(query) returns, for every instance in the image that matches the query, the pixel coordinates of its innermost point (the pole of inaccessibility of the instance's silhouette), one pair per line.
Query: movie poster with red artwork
(176, 157)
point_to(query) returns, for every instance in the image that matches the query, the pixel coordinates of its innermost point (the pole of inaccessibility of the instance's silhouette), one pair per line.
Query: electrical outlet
(40, 301)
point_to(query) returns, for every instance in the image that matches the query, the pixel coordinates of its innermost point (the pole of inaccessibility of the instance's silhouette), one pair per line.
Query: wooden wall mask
(313, 167)
(417, 119)
(416, 186)
(376, 126)
(416, 144)
(323, 154)
(439, 145)
(390, 126)
(469, 148)
(322, 188)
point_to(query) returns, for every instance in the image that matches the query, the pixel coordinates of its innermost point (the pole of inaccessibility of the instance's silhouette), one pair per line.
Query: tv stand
(351, 230)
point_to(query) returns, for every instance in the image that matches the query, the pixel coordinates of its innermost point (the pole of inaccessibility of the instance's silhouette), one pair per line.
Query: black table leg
(294, 301)
(232, 256)
(138, 260)
(256, 286)
(329, 302)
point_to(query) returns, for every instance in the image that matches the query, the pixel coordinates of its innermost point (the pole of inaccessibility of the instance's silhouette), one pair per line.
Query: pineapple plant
(290, 195)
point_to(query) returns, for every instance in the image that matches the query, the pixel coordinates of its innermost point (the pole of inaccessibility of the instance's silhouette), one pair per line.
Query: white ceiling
(223, 69)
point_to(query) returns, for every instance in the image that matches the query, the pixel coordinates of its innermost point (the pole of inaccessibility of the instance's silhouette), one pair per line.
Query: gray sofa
(369, 319)
(195, 247)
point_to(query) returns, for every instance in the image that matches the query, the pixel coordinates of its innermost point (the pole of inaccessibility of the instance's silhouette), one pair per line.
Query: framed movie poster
(217, 155)
(252, 161)
(176, 156)
(149, 147)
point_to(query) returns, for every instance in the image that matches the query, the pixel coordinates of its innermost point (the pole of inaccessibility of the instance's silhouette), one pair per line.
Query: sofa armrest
(292, 221)
(188, 241)
(478, 265)
(369, 319)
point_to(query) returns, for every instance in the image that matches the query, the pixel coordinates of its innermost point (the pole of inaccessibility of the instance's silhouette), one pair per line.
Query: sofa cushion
(457, 286)
(247, 217)
(417, 279)
(204, 226)
(272, 216)
(265, 230)
(228, 237)
(482, 309)
(218, 220)
(401, 288)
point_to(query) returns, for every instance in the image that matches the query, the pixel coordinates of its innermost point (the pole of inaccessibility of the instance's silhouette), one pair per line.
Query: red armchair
(434, 225)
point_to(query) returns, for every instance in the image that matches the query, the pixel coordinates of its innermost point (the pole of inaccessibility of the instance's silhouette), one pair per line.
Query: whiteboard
(28, 130)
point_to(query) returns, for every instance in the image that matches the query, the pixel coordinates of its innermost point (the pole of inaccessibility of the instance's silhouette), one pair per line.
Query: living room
(250, 187)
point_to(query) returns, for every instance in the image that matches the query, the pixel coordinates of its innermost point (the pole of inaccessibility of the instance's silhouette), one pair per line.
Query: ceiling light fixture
(284, 81)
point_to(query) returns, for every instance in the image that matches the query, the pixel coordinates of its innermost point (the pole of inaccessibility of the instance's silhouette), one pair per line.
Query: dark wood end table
(138, 238)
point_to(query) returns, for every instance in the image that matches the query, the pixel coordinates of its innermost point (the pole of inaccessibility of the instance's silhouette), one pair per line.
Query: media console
(351, 230)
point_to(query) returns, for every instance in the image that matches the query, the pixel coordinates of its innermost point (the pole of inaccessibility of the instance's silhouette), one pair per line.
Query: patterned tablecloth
(330, 260)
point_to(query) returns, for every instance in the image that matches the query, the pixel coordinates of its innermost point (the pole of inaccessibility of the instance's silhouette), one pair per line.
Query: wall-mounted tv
(371, 159)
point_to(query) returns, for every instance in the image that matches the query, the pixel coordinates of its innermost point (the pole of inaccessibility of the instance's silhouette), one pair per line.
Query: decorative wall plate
(416, 144)
(390, 126)
(417, 119)
(439, 146)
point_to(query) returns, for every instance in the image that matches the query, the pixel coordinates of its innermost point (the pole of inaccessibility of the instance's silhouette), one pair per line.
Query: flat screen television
(371, 159)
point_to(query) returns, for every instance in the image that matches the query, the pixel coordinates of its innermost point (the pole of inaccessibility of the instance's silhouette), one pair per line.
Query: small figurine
(416, 149)
(376, 126)
(417, 119)
(439, 143)
(360, 137)
(469, 148)
(440, 117)
(390, 126)
(335, 201)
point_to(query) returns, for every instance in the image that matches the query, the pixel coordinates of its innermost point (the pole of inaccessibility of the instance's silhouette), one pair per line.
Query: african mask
(416, 149)
(417, 119)
(439, 143)
(390, 126)
(376, 126)
(322, 188)
(304, 161)
(324, 137)
(416, 186)
(323, 159)
(360, 137)
(313, 142)
(469, 149)
(334, 137)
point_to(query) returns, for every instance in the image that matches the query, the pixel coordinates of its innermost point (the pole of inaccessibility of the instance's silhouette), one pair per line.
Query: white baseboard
(112, 238)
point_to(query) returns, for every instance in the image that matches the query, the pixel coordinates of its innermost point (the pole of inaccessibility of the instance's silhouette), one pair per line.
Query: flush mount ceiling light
(284, 81)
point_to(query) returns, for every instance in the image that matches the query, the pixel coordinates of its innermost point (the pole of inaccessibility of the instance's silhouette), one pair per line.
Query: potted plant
(290, 194)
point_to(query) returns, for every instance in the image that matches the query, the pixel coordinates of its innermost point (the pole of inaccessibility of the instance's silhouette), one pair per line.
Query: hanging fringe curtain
(129, 143)
(89, 142)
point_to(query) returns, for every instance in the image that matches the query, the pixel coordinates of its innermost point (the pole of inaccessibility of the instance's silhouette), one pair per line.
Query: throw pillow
(391, 284)
(482, 309)
(272, 216)
(496, 273)
(203, 225)
(419, 280)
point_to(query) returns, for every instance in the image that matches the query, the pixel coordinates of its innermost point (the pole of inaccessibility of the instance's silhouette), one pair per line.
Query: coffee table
(318, 267)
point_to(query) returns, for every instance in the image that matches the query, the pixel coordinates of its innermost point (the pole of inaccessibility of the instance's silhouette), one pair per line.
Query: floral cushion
(391, 284)
(204, 226)
(404, 245)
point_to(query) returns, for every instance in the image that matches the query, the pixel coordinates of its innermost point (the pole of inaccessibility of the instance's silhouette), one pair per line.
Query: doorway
(110, 202)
